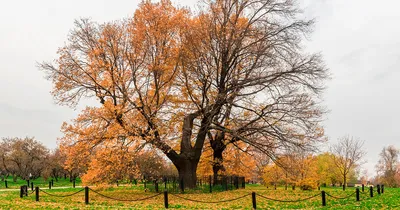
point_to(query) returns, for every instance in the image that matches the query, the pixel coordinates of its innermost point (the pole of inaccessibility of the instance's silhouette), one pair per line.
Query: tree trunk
(218, 148)
(344, 182)
(186, 162)
(187, 173)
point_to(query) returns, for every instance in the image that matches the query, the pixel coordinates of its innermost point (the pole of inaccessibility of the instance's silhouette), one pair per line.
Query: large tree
(388, 165)
(347, 155)
(253, 49)
(165, 78)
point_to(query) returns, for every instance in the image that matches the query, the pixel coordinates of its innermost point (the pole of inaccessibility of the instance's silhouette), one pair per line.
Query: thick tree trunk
(218, 149)
(186, 162)
(187, 173)
(218, 146)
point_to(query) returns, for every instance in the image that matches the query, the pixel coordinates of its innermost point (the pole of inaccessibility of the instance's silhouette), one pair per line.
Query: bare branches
(235, 72)
(348, 154)
(388, 166)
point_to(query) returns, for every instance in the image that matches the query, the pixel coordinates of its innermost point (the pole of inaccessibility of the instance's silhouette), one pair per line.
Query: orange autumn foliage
(295, 169)
(237, 162)
(168, 80)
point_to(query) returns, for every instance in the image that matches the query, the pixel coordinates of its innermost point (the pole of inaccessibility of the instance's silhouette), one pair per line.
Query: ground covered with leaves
(389, 200)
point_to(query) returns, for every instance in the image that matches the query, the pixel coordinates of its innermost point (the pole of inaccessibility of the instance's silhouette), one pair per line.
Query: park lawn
(38, 182)
(388, 200)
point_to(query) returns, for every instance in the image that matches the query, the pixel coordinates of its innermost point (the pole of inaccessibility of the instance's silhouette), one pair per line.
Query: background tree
(347, 155)
(7, 168)
(54, 165)
(388, 165)
(24, 157)
(297, 168)
(171, 80)
(273, 174)
(327, 171)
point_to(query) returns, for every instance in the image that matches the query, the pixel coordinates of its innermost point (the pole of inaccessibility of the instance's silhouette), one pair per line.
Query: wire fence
(253, 195)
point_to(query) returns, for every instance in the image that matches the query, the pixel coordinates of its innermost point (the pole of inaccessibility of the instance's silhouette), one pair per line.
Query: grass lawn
(388, 200)
(38, 182)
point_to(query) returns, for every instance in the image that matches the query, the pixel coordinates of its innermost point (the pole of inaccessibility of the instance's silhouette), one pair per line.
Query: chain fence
(61, 196)
(288, 201)
(222, 201)
(179, 196)
(128, 200)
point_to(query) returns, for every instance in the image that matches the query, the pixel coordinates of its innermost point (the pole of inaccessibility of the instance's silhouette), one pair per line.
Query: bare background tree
(388, 165)
(23, 157)
(348, 154)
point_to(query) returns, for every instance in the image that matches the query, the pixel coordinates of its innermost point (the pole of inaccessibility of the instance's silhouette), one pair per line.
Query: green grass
(38, 182)
(388, 200)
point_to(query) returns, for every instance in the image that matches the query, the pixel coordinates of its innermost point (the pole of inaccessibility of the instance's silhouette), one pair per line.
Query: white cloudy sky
(358, 38)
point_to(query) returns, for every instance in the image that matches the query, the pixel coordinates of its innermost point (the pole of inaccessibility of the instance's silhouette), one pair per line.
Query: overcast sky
(359, 40)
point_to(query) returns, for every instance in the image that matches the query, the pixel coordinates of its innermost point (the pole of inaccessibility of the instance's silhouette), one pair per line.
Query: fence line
(61, 196)
(199, 201)
(288, 201)
(128, 200)
(253, 197)
(335, 197)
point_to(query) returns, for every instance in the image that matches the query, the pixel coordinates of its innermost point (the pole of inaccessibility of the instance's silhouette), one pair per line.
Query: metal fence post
(378, 189)
(156, 186)
(37, 193)
(32, 186)
(5, 183)
(323, 198)
(73, 184)
(363, 187)
(166, 199)
(86, 195)
(371, 191)
(21, 192)
(357, 194)
(253, 199)
(382, 188)
(181, 185)
(210, 185)
(49, 185)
